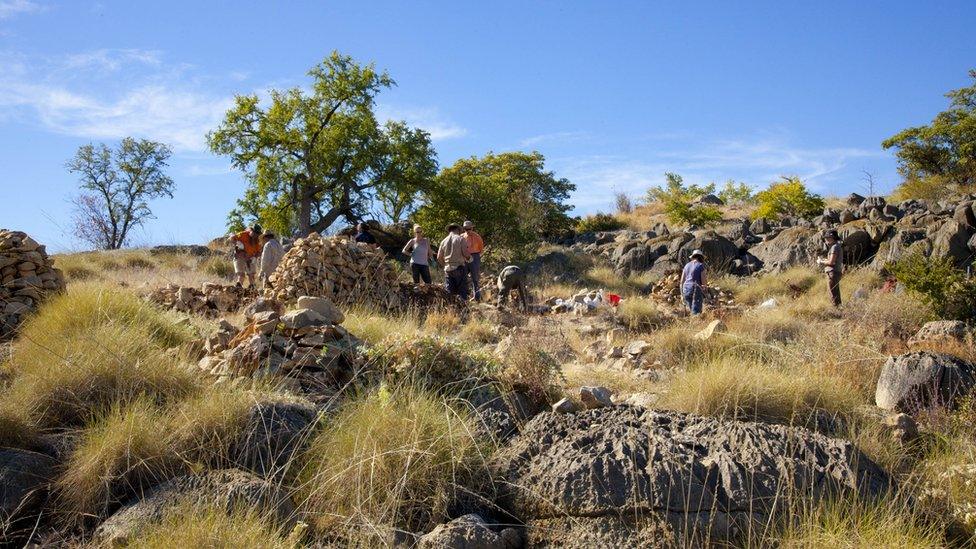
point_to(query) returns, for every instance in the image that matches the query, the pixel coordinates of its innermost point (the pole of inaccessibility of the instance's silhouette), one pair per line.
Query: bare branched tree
(623, 203)
(868, 179)
(116, 189)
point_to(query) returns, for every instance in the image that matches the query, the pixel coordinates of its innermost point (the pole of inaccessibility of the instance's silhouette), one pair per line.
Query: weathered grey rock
(565, 406)
(637, 347)
(846, 216)
(857, 245)
(466, 532)
(759, 226)
(952, 240)
(940, 330)
(227, 488)
(719, 251)
(854, 199)
(626, 476)
(710, 199)
(903, 427)
(637, 259)
(24, 476)
(914, 381)
(275, 433)
(261, 305)
(322, 306)
(302, 318)
(964, 215)
(595, 397)
(792, 247)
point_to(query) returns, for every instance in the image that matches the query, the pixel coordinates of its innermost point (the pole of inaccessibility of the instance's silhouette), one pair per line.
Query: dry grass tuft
(641, 314)
(206, 526)
(373, 327)
(444, 322)
(388, 460)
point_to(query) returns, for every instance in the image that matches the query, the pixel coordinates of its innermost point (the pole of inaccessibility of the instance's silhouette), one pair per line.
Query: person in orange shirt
(247, 249)
(476, 245)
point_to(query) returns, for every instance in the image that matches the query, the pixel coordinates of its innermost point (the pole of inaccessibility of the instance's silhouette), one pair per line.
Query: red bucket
(614, 299)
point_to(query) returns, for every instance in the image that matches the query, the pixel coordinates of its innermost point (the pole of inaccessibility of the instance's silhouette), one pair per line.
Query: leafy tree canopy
(788, 198)
(945, 149)
(510, 197)
(313, 157)
(679, 201)
(735, 192)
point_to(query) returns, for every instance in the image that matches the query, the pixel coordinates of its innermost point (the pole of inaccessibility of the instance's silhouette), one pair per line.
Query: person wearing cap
(453, 254)
(420, 255)
(476, 245)
(833, 265)
(693, 282)
(247, 249)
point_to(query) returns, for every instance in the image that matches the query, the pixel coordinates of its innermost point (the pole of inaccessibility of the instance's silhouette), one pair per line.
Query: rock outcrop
(470, 532)
(914, 381)
(27, 277)
(628, 476)
(24, 476)
(211, 300)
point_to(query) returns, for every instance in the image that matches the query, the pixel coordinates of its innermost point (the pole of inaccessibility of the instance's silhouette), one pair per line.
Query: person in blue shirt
(362, 235)
(693, 282)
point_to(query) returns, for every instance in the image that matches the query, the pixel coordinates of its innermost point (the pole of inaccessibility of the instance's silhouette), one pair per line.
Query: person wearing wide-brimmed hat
(833, 265)
(693, 282)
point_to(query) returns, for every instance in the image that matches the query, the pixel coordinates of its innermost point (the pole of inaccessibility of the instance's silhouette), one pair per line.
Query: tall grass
(206, 526)
(373, 326)
(389, 460)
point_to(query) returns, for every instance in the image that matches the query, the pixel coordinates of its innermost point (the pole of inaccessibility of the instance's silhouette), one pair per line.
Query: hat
(256, 229)
(468, 224)
(698, 253)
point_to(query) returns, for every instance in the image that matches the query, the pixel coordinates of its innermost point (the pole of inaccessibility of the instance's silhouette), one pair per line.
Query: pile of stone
(668, 290)
(305, 349)
(212, 300)
(337, 268)
(27, 275)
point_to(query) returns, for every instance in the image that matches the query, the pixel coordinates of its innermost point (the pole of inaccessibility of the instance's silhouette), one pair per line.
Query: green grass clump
(373, 327)
(433, 362)
(206, 526)
(389, 460)
(641, 314)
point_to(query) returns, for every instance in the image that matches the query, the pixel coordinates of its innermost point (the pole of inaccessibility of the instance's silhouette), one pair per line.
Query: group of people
(693, 282)
(459, 254)
(256, 254)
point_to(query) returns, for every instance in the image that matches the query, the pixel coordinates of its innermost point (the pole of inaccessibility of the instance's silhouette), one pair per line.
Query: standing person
(363, 235)
(476, 245)
(271, 253)
(247, 248)
(509, 280)
(833, 265)
(693, 282)
(454, 256)
(420, 255)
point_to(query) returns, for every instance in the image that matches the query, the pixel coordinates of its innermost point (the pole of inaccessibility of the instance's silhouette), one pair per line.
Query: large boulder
(24, 476)
(322, 306)
(720, 252)
(626, 476)
(857, 245)
(276, 431)
(940, 331)
(792, 247)
(922, 379)
(952, 240)
(228, 489)
(637, 259)
(469, 532)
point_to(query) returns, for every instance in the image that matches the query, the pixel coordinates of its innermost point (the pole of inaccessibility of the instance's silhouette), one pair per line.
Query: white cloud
(756, 161)
(556, 137)
(429, 119)
(109, 94)
(10, 8)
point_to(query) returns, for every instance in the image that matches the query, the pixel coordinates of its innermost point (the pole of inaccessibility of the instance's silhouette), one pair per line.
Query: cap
(468, 225)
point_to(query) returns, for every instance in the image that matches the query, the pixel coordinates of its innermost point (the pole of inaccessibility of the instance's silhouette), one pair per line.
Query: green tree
(943, 151)
(510, 197)
(679, 201)
(313, 157)
(788, 198)
(116, 189)
(736, 193)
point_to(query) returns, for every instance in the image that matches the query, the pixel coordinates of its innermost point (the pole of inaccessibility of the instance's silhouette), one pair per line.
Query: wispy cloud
(427, 118)
(10, 8)
(555, 137)
(756, 161)
(84, 95)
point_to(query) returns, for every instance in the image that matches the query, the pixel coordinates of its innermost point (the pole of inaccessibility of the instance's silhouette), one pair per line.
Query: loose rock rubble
(338, 268)
(212, 300)
(27, 276)
(668, 290)
(303, 349)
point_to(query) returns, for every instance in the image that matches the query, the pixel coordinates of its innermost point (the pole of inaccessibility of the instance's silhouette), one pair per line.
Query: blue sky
(612, 93)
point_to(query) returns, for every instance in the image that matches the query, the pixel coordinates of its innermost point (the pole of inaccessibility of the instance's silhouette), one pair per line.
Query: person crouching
(693, 282)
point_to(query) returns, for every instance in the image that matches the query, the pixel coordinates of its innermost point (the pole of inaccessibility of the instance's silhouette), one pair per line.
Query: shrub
(480, 332)
(932, 187)
(388, 461)
(599, 222)
(431, 362)
(444, 322)
(194, 525)
(219, 267)
(947, 290)
(678, 200)
(641, 314)
(788, 198)
(532, 371)
(623, 203)
(736, 193)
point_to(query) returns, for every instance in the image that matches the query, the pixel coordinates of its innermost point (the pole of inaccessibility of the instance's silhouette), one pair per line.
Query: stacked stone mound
(305, 349)
(337, 268)
(27, 276)
(624, 476)
(212, 300)
(668, 290)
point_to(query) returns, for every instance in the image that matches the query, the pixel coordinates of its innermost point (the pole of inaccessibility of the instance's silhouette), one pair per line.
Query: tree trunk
(304, 216)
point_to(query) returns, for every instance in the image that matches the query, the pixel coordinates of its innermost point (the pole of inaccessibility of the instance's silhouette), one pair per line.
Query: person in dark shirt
(833, 265)
(362, 235)
(693, 282)
(511, 279)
